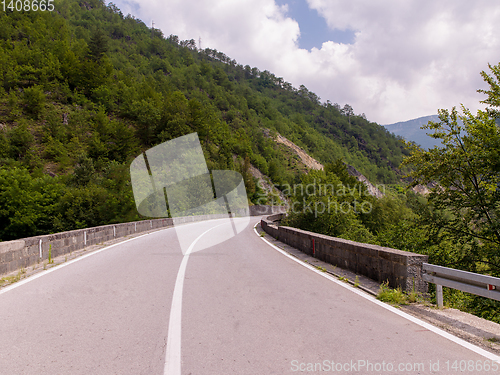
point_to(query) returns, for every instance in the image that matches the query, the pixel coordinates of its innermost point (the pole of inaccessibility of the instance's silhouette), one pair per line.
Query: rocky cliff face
(266, 185)
(372, 189)
(312, 163)
(307, 160)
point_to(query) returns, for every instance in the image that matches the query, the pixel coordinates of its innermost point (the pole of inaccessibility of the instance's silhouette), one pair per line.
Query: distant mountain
(410, 130)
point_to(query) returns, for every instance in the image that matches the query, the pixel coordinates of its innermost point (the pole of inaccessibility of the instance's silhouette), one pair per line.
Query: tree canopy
(466, 174)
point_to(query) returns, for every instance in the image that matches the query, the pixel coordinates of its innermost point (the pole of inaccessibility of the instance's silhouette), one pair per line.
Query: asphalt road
(239, 307)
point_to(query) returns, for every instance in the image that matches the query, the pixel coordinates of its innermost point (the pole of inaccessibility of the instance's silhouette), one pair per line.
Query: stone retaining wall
(401, 268)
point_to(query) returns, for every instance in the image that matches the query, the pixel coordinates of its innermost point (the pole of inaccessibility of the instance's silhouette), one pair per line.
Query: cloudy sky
(393, 60)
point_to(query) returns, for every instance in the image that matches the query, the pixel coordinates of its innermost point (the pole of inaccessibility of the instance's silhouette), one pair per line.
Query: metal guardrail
(480, 285)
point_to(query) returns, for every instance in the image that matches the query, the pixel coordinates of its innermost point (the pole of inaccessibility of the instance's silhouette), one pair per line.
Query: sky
(393, 60)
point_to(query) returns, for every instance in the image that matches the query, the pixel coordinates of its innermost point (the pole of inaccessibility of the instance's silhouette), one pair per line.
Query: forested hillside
(85, 89)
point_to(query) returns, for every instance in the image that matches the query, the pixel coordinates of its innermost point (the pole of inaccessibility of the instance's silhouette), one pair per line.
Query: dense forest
(85, 89)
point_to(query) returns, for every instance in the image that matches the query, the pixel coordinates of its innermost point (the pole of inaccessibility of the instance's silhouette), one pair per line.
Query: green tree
(97, 46)
(348, 111)
(34, 100)
(321, 203)
(466, 171)
(21, 140)
(84, 171)
(27, 204)
(247, 176)
(339, 169)
(493, 93)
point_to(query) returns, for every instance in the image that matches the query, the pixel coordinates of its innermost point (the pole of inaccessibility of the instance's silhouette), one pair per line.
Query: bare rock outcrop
(312, 163)
(372, 189)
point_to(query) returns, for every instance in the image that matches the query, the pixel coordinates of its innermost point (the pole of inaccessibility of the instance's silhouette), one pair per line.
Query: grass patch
(392, 296)
(7, 280)
(356, 282)
(413, 297)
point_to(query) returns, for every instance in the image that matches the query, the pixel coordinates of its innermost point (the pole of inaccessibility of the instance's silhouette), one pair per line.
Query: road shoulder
(475, 330)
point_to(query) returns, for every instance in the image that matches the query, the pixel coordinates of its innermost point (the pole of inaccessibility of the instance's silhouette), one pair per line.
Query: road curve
(245, 309)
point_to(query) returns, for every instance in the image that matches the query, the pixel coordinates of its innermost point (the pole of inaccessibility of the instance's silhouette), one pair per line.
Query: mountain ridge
(411, 130)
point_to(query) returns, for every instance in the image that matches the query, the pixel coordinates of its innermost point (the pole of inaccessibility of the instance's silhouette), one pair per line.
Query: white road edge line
(173, 350)
(369, 297)
(62, 265)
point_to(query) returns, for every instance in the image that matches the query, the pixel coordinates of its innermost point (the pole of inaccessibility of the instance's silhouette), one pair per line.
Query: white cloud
(409, 57)
(416, 56)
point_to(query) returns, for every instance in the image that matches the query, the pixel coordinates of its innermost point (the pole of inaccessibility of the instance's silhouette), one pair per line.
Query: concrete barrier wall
(401, 268)
(28, 251)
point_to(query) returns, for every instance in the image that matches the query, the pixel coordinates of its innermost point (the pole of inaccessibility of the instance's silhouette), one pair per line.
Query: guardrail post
(439, 296)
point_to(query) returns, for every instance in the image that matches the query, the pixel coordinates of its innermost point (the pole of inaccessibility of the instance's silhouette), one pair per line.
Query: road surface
(239, 307)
